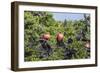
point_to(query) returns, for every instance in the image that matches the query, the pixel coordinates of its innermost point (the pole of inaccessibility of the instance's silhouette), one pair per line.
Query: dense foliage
(76, 33)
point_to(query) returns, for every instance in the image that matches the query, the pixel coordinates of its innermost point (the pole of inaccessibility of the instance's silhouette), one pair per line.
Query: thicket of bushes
(76, 33)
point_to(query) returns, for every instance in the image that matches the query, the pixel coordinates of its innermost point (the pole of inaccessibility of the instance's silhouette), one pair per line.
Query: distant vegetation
(48, 39)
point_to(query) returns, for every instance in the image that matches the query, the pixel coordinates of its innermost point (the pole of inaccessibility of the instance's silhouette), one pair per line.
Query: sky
(69, 16)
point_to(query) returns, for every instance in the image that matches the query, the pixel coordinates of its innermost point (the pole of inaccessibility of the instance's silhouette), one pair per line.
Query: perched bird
(69, 53)
(46, 48)
(80, 36)
(87, 45)
(46, 36)
(70, 40)
(59, 39)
